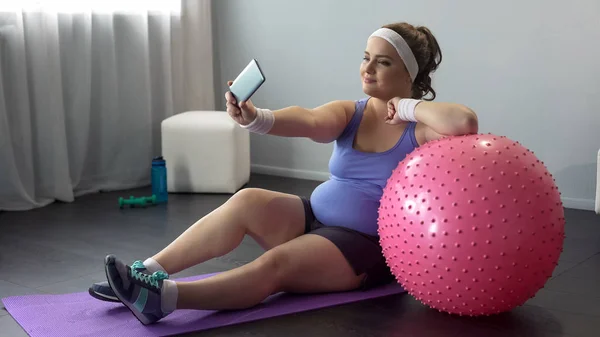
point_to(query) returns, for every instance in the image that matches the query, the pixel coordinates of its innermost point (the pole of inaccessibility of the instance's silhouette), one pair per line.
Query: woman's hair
(427, 52)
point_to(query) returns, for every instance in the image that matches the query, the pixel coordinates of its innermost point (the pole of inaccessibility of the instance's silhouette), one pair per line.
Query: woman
(328, 243)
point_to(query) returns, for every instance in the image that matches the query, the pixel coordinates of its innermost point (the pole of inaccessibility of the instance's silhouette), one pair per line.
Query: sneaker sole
(102, 297)
(140, 316)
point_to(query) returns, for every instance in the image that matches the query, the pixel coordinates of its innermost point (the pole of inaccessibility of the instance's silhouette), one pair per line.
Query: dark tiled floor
(59, 249)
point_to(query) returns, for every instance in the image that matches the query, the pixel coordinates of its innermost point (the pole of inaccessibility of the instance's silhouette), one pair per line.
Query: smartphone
(247, 82)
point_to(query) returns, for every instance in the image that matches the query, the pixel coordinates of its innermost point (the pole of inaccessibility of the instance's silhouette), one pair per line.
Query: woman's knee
(248, 204)
(275, 264)
(246, 197)
(270, 217)
(287, 269)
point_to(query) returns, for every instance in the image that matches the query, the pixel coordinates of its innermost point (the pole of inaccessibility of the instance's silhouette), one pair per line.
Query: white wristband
(263, 122)
(405, 111)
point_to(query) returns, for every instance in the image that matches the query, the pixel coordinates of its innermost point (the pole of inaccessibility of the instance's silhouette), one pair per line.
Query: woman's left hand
(392, 108)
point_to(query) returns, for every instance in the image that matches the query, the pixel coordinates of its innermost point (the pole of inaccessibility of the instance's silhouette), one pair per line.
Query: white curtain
(84, 86)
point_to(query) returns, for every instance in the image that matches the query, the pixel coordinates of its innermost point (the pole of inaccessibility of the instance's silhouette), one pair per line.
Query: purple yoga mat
(81, 314)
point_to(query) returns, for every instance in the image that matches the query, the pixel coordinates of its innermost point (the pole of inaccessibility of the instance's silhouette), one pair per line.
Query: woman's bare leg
(271, 218)
(307, 264)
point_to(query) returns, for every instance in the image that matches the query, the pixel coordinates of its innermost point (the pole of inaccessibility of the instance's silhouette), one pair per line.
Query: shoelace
(151, 279)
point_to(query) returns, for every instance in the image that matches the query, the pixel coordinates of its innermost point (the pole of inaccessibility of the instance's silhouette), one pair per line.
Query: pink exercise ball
(471, 225)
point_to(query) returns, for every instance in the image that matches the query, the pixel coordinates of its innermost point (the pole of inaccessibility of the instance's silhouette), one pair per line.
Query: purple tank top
(350, 198)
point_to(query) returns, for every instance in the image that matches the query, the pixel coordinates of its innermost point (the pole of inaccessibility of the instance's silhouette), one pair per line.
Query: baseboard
(574, 203)
(598, 184)
(289, 172)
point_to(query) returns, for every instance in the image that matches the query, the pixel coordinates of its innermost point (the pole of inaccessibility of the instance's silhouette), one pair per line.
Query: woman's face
(382, 71)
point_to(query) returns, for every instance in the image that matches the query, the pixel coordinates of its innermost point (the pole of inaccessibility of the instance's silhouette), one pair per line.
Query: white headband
(401, 47)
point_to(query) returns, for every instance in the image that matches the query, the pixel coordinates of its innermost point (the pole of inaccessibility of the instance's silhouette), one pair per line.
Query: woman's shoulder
(351, 107)
(347, 107)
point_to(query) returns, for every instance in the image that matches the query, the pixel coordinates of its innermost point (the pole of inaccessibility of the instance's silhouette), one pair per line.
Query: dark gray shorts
(362, 251)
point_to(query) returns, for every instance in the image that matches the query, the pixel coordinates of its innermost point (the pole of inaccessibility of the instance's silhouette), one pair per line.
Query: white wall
(529, 68)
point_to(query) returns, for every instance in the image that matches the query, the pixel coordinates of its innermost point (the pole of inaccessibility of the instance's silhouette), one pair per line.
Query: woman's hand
(244, 113)
(392, 106)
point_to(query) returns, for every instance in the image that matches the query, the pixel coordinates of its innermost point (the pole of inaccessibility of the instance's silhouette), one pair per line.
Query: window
(109, 6)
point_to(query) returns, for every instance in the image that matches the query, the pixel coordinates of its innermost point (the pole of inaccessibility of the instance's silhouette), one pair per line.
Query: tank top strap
(410, 132)
(352, 127)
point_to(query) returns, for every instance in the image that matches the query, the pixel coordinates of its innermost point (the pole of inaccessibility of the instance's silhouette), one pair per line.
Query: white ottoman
(206, 152)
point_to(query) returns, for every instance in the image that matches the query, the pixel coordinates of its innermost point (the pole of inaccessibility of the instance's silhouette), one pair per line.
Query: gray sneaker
(139, 290)
(103, 291)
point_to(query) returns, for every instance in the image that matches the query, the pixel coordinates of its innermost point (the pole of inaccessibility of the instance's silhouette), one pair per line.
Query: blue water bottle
(159, 179)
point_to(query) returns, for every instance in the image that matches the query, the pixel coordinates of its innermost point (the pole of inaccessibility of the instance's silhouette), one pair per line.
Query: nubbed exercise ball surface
(471, 225)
